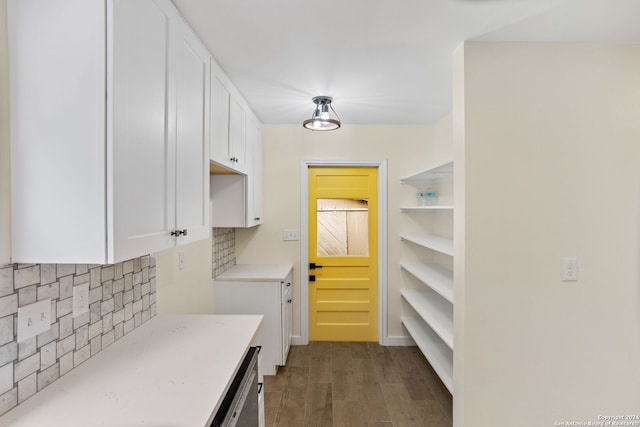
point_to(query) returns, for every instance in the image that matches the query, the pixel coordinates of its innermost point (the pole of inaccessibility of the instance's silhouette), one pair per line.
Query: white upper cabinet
(95, 178)
(236, 156)
(236, 199)
(229, 114)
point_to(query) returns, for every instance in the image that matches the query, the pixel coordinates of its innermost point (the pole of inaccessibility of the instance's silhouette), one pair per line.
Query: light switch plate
(34, 319)
(569, 269)
(80, 299)
(290, 235)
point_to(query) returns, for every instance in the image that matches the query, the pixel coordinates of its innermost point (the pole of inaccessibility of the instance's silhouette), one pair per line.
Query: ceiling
(383, 61)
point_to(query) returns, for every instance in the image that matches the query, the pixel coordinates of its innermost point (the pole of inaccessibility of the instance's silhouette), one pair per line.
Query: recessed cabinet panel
(237, 135)
(219, 122)
(44, 191)
(142, 151)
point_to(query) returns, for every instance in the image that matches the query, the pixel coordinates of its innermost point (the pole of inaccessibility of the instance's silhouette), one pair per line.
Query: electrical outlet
(290, 235)
(80, 299)
(34, 319)
(569, 269)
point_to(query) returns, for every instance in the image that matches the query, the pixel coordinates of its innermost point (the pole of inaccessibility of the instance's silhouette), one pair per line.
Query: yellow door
(343, 246)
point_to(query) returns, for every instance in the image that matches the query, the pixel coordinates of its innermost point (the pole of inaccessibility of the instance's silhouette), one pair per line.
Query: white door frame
(382, 241)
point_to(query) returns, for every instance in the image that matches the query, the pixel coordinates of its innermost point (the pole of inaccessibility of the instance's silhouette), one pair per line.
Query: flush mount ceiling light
(324, 117)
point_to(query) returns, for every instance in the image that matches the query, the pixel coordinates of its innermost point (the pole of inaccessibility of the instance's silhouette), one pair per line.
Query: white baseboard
(399, 341)
(396, 341)
(297, 340)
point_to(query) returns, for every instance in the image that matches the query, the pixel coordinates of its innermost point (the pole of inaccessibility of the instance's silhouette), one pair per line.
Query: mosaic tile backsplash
(122, 296)
(224, 250)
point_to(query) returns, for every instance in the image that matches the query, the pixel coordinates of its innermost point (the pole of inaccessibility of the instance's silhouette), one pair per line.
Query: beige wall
(407, 149)
(5, 207)
(459, 225)
(188, 290)
(552, 152)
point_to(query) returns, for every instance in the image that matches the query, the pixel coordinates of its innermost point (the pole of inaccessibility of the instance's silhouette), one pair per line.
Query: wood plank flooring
(356, 384)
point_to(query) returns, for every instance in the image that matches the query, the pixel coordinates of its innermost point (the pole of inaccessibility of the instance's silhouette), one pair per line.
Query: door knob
(313, 266)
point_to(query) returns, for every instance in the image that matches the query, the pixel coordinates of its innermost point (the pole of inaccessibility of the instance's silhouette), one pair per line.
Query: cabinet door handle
(288, 284)
(313, 266)
(256, 218)
(259, 387)
(289, 300)
(179, 232)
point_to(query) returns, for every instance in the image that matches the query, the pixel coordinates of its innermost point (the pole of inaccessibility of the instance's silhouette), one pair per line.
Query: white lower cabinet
(265, 290)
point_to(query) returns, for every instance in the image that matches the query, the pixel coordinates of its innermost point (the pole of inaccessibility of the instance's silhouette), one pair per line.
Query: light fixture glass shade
(324, 117)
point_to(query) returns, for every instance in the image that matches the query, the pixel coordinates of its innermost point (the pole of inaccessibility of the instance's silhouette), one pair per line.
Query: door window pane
(343, 227)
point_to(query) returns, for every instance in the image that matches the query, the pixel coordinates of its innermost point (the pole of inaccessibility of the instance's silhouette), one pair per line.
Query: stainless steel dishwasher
(239, 407)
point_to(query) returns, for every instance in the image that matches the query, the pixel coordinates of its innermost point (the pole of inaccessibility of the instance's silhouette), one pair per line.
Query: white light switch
(291, 235)
(34, 319)
(569, 269)
(80, 299)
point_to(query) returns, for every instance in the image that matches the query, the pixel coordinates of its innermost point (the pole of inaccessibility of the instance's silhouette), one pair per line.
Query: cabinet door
(254, 172)
(287, 318)
(219, 144)
(140, 183)
(237, 134)
(257, 175)
(191, 109)
(57, 70)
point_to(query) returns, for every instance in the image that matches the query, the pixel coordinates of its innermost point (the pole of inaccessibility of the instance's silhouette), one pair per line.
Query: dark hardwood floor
(356, 384)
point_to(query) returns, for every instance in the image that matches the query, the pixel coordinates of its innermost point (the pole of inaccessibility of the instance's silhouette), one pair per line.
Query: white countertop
(250, 272)
(171, 371)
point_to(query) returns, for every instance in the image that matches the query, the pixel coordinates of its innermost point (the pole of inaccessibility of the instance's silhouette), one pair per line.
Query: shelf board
(443, 172)
(435, 311)
(425, 209)
(436, 243)
(434, 276)
(437, 353)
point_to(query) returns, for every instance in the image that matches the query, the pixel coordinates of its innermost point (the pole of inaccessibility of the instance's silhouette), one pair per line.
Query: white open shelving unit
(433, 275)
(430, 241)
(440, 173)
(432, 326)
(425, 209)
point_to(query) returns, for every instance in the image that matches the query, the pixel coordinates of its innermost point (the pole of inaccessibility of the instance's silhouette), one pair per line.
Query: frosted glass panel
(343, 226)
